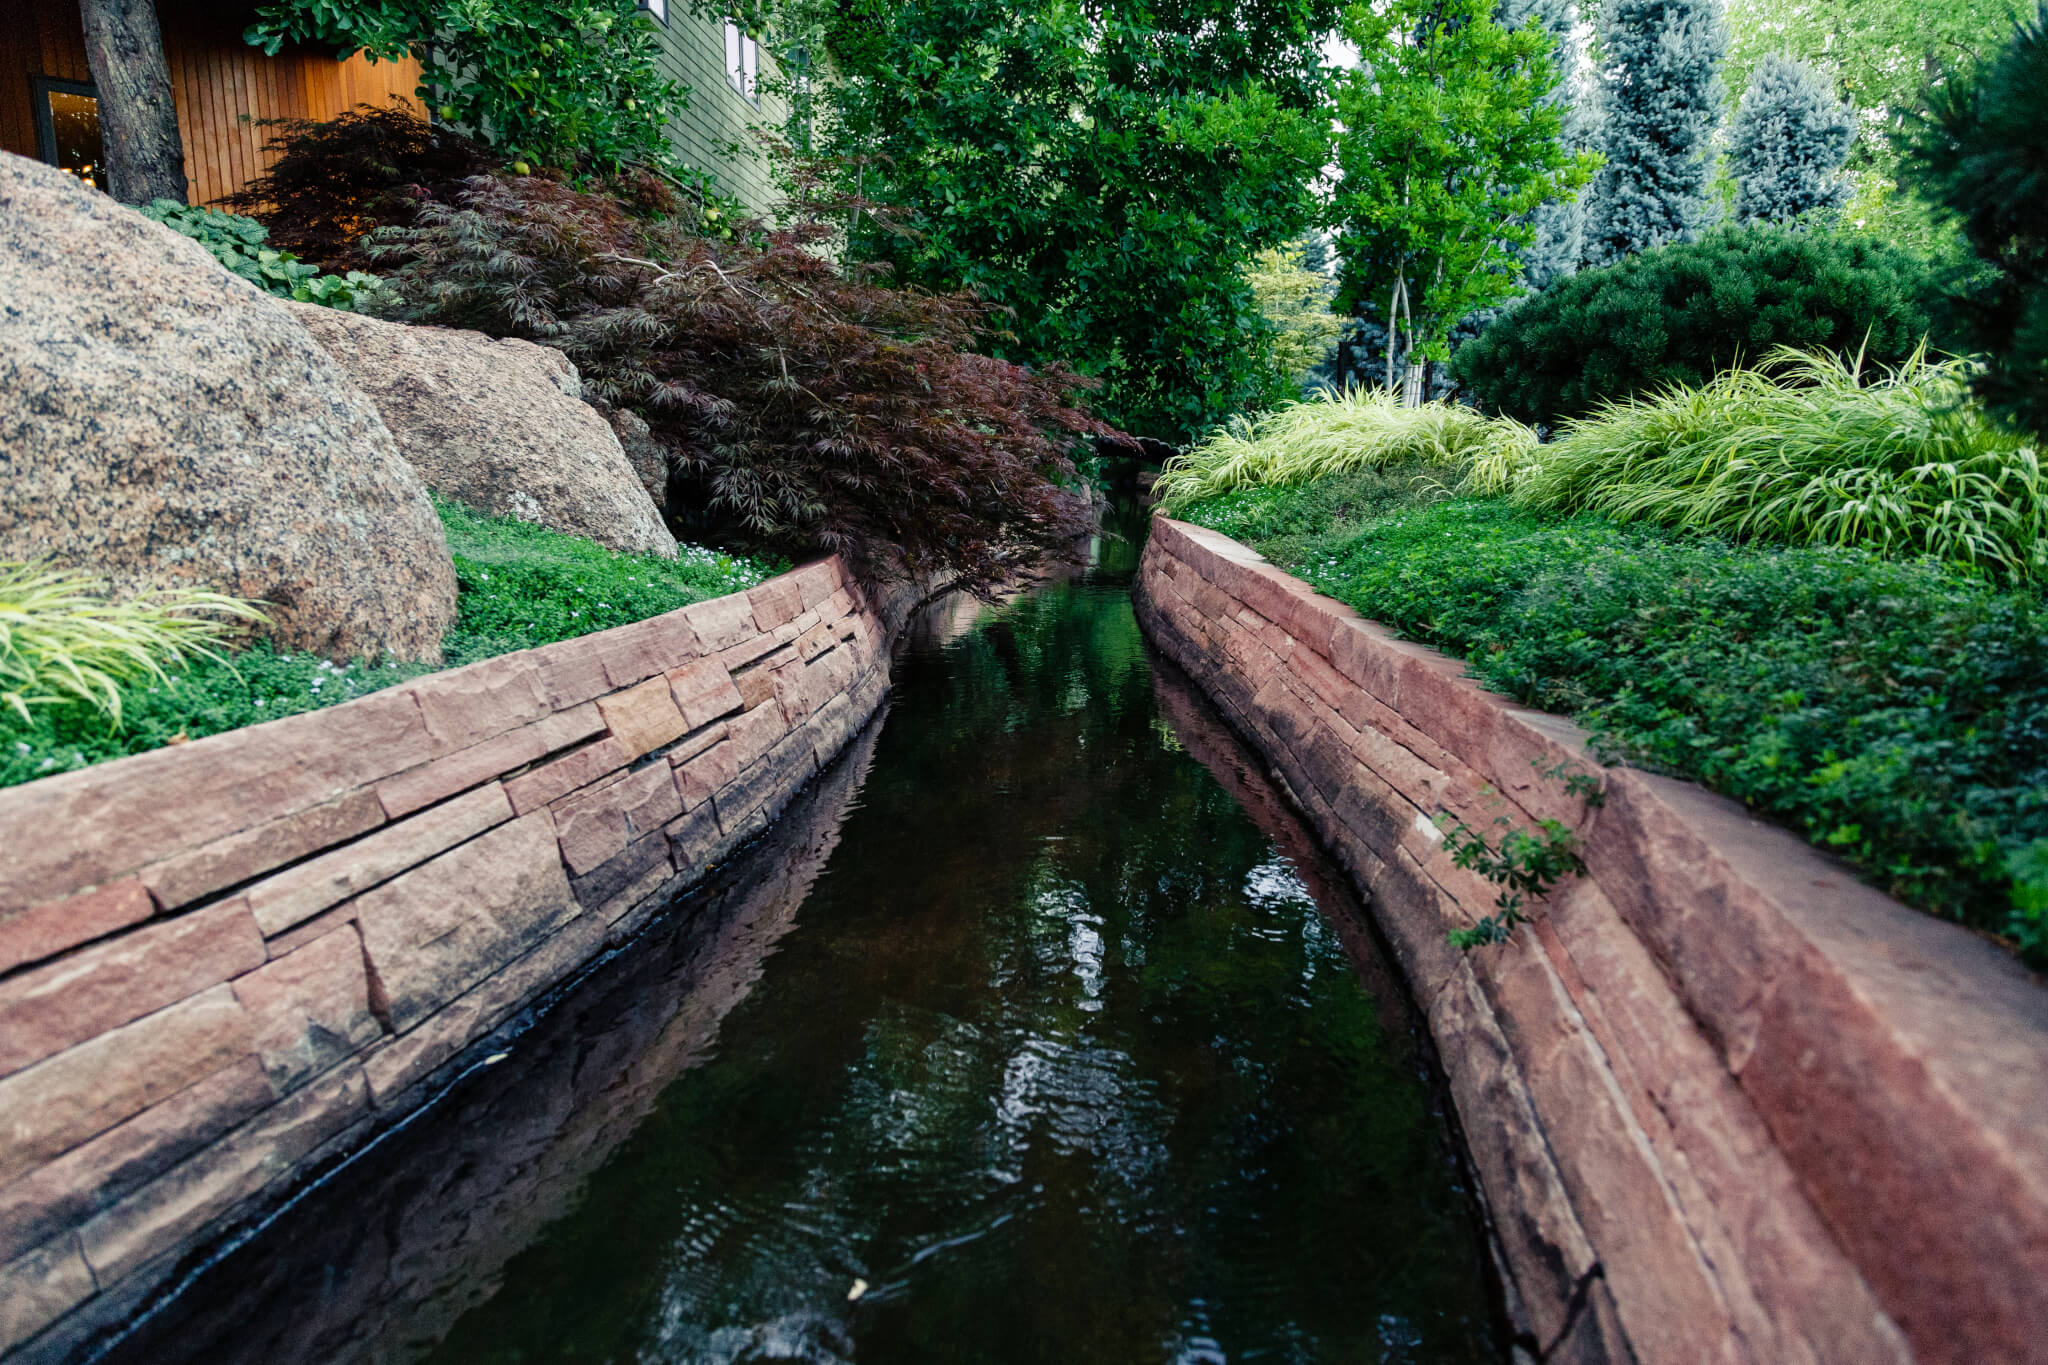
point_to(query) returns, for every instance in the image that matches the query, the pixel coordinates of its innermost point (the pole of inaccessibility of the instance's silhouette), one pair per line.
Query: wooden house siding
(222, 87)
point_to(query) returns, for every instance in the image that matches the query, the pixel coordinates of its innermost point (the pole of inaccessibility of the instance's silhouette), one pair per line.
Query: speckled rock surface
(500, 425)
(643, 452)
(167, 424)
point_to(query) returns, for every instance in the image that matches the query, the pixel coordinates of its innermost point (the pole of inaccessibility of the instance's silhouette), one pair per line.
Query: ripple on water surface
(1033, 1047)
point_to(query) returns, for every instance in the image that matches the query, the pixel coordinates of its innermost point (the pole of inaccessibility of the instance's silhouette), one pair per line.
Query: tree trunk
(138, 122)
(1393, 315)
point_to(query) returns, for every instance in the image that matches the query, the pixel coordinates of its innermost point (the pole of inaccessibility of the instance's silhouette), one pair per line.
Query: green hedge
(1682, 313)
(1894, 713)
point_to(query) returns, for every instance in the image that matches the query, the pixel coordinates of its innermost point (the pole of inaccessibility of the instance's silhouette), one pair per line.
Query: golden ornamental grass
(1362, 428)
(63, 641)
(1811, 449)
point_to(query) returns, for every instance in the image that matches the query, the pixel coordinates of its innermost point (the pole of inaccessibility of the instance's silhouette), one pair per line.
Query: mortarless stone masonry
(224, 962)
(1726, 1103)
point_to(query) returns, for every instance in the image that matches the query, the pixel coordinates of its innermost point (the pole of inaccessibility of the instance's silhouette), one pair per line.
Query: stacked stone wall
(1725, 1103)
(226, 963)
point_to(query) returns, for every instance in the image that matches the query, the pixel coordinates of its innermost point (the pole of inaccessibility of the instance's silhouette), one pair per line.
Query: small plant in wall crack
(1526, 865)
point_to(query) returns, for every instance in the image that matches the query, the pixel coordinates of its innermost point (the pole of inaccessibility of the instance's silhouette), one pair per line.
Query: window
(68, 127)
(657, 8)
(742, 61)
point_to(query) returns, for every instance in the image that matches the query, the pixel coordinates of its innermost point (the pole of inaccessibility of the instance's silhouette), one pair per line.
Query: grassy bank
(1893, 711)
(520, 586)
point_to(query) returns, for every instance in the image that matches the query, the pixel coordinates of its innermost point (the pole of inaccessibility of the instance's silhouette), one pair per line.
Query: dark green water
(1039, 1033)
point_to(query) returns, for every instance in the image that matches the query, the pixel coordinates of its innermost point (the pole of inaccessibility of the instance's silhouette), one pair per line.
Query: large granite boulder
(166, 424)
(499, 425)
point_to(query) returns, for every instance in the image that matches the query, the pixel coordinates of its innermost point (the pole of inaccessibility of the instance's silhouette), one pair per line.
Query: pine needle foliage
(1360, 429)
(804, 405)
(64, 641)
(1787, 144)
(1813, 449)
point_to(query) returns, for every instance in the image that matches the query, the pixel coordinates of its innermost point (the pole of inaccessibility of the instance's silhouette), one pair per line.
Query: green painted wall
(693, 52)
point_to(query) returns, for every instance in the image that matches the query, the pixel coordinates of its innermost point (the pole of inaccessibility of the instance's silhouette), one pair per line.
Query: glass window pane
(76, 121)
(735, 69)
(657, 8)
(753, 68)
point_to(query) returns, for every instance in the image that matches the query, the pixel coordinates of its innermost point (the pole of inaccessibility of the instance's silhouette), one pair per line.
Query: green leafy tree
(1660, 96)
(540, 81)
(1295, 299)
(1106, 173)
(1979, 149)
(1450, 143)
(1787, 144)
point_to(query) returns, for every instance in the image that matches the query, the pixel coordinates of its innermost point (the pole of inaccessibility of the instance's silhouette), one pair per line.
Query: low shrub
(1894, 713)
(333, 181)
(1361, 429)
(243, 246)
(1683, 313)
(520, 586)
(803, 404)
(1812, 450)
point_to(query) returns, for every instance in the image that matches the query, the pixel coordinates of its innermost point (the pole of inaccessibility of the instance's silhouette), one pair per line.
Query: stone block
(767, 785)
(471, 767)
(186, 877)
(694, 839)
(55, 829)
(644, 857)
(439, 929)
(818, 581)
(94, 990)
(309, 1009)
(63, 1193)
(777, 602)
(639, 651)
(571, 672)
(300, 892)
(694, 743)
(746, 651)
(722, 622)
(753, 733)
(643, 717)
(299, 935)
(40, 1287)
(217, 1181)
(834, 608)
(814, 642)
(703, 691)
(589, 826)
(48, 929)
(414, 1056)
(836, 722)
(709, 773)
(81, 1092)
(480, 701)
(551, 781)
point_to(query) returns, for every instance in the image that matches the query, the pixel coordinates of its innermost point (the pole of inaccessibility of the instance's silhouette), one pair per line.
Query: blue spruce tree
(1660, 98)
(1787, 143)
(1560, 227)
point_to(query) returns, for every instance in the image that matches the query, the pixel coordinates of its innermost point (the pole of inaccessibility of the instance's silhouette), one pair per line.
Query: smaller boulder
(648, 456)
(498, 425)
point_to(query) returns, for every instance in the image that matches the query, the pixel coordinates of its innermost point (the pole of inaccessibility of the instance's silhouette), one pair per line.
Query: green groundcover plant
(243, 246)
(520, 586)
(1894, 712)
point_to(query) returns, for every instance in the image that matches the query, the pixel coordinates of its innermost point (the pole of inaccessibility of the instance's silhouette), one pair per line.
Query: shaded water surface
(1025, 1019)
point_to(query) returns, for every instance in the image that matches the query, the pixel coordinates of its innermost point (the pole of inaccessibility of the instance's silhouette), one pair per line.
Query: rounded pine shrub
(1683, 313)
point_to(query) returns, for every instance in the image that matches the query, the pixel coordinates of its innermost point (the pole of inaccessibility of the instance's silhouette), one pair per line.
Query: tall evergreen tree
(1788, 142)
(1560, 241)
(1660, 99)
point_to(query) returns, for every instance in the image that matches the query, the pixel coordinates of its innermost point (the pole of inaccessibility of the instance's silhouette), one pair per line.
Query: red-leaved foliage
(803, 405)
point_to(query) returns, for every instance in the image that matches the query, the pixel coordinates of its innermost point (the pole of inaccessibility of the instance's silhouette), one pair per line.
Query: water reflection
(1060, 1062)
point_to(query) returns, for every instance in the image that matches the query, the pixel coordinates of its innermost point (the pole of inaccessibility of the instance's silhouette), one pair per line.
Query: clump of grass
(65, 641)
(1360, 429)
(521, 586)
(1812, 450)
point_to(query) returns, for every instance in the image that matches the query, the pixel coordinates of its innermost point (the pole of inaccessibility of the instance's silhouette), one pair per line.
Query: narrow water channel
(1037, 1031)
